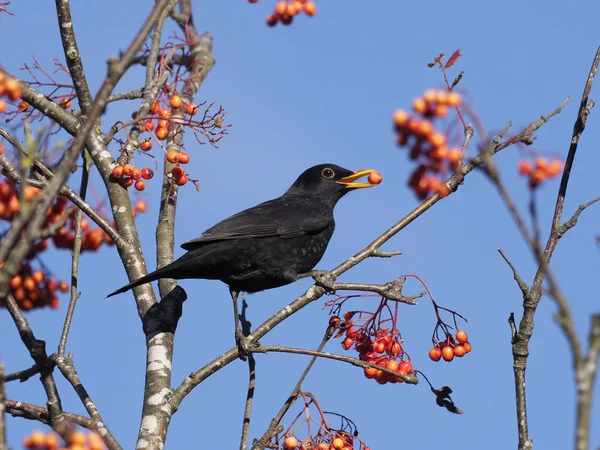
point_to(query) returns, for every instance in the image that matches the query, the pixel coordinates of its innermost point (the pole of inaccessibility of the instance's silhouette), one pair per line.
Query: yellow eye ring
(328, 173)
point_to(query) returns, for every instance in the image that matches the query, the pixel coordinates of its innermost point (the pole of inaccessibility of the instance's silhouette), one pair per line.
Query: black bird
(271, 244)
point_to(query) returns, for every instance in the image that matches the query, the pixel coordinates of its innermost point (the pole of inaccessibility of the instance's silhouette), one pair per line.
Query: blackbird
(271, 244)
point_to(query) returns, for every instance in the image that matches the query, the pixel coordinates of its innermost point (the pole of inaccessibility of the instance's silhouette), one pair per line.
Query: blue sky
(323, 90)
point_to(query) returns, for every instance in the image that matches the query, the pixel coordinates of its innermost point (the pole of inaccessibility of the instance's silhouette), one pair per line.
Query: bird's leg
(240, 339)
(322, 277)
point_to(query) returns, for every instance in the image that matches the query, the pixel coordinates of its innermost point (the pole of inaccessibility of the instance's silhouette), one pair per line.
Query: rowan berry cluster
(458, 346)
(285, 11)
(540, 169)
(129, 175)
(37, 288)
(428, 146)
(78, 440)
(375, 345)
(339, 441)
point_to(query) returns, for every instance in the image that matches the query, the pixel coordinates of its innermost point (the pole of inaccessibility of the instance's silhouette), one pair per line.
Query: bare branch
(67, 368)
(2, 409)
(249, 401)
(522, 285)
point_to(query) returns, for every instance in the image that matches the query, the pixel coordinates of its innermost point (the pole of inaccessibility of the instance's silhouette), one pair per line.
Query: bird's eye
(328, 173)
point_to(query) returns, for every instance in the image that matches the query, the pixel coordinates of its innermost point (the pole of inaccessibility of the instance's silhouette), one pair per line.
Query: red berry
(140, 185)
(117, 172)
(374, 178)
(435, 354)
(461, 336)
(183, 158)
(147, 173)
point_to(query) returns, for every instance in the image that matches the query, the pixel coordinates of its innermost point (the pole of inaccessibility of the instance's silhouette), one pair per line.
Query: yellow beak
(349, 180)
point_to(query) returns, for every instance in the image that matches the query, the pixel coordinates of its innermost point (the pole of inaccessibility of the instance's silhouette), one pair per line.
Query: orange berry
(181, 180)
(290, 443)
(147, 173)
(429, 96)
(15, 282)
(126, 182)
(536, 177)
(63, 286)
(554, 168)
(541, 163)
(155, 108)
(148, 125)
(287, 19)
(448, 354)
(467, 346)
(391, 364)
(272, 20)
(454, 99)
(177, 172)
(23, 105)
(382, 377)
(440, 111)
(141, 206)
(38, 276)
(310, 8)
(146, 145)
(293, 8)
(437, 139)
(347, 343)
(459, 351)
(12, 89)
(454, 155)
(435, 354)
(425, 128)
(337, 443)
(419, 105)
(165, 113)
(65, 103)
(162, 133)
(172, 156)
(95, 442)
(128, 169)
(400, 118)
(322, 446)
(374, 178)
(524, 167)
(2, 106)
(140, 185)
(438, 153)
(280, 8)
(51, 441)
(191, 109)
(117, 172)
(37, 438)
(183, 158)
(28, 283)
(441, 97)
(30, 192)
(175, 101)
(77, 438)
(54, 303)
(462, 336)
(370, 372)
(163, 123)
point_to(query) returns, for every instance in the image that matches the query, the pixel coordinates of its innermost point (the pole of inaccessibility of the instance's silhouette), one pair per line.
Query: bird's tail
(164, 272)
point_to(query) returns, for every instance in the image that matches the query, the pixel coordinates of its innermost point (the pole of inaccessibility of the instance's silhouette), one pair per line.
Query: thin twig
(265, 440)
(249, 401)
(85, 173)
(2, 409)
(66, 367)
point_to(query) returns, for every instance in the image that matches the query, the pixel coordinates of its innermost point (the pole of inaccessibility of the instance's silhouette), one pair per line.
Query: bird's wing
(276, 217)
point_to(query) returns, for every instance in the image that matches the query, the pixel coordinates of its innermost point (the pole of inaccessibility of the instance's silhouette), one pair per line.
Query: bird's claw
(242, 345)
(325, 280)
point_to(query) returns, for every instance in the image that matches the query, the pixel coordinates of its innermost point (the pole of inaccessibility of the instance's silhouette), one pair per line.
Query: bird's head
(329, 182)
